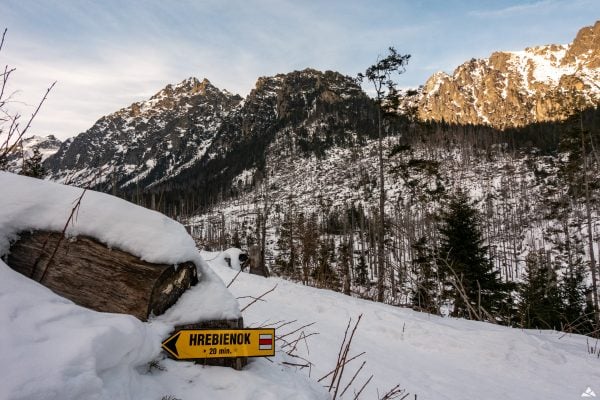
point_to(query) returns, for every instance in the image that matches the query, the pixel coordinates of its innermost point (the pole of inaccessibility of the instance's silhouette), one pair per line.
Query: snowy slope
(51, 348)
(433, 357)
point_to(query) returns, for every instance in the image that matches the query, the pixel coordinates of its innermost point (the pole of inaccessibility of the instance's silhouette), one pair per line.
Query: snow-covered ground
(433, 357)
(51, 348)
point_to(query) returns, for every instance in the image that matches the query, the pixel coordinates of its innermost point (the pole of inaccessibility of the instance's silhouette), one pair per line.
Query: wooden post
(236, 363)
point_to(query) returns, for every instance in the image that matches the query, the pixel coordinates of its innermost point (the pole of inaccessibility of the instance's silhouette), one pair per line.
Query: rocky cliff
(148, 141)
(195, 137)
(543, 83)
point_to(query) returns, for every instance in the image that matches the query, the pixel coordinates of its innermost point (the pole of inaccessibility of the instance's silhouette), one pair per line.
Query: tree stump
(254, 262)
(94, 276)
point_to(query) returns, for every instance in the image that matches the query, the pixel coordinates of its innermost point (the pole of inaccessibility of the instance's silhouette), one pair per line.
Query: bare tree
(380, 75)
(11, 130)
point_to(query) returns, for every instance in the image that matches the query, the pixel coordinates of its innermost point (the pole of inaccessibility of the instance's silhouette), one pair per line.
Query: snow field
(431, 356)
(51, 348)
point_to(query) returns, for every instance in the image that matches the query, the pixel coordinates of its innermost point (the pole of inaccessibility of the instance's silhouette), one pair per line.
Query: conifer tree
(361, 273)
(540, 305)
(287, 259)
(324, 274)
(465, 265)
(577, 314)
(380, 75)
(345, 255)
(424, 294)
(32, 166)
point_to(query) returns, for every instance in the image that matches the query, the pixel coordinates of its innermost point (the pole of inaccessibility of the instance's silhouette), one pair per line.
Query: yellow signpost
(193, 344)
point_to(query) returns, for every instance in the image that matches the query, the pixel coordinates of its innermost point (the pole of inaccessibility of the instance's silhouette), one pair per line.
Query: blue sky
(107, 54)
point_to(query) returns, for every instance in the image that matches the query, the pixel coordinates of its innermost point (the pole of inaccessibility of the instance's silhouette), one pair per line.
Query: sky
(105, 55)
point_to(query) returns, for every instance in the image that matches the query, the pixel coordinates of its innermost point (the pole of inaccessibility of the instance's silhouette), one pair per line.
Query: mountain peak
(194, 86)
(540, 83)
(585, 47)
(187, 87)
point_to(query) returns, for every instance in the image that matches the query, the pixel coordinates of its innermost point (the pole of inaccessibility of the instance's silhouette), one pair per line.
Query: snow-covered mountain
(47, 146)
(193, 135)
(148, 141)
(542, 83)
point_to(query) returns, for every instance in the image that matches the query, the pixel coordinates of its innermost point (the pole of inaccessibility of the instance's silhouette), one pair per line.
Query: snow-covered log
(110, 249)
(95, 276)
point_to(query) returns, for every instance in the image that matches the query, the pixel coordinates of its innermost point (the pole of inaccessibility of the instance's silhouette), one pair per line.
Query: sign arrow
(170, 344)
(194, 344)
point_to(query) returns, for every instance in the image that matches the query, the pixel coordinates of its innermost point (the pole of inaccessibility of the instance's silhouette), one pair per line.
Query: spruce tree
(577, 313)
(324, 274)
(540, 305)
(465, 265)
(287, 258)
(32, 166)
(344, 261)
(381, 75)
(361, 272)
(424, 294)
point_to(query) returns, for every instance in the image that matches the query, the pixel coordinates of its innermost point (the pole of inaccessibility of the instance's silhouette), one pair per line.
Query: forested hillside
(511, 202)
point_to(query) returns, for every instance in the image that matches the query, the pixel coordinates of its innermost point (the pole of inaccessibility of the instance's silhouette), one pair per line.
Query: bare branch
(363, 388)
(72, 216)
(234, 278)
(258, 298)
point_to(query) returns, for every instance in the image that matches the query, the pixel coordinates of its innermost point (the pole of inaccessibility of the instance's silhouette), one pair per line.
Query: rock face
(193, 137)
(148, 141)
(544, 83)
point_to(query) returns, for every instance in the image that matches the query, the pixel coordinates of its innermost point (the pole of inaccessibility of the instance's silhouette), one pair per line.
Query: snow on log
(94, 276)
(113, 255)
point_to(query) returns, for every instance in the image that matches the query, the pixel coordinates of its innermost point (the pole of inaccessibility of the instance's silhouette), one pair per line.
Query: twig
(3, 35)
(295, 330)
(258, 298)
(339, 357)
(353, 378)
(300, 358)
(346, 351)
(296, 365)
(249, 297)
(363, 387)
(301, 337)
(395, 393)
(74, 211)
(20, 134)
(283, 323)
(347, 361)
(234, 278)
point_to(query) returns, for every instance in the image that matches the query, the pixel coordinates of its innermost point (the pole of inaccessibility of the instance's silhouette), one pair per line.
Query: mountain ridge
(509, 89)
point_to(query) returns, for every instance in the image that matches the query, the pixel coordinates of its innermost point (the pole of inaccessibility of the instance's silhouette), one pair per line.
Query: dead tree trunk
(94, 276)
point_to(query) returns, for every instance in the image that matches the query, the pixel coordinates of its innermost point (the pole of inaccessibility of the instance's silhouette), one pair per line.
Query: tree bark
(589, 227)
(381, 230)
(94, 276)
